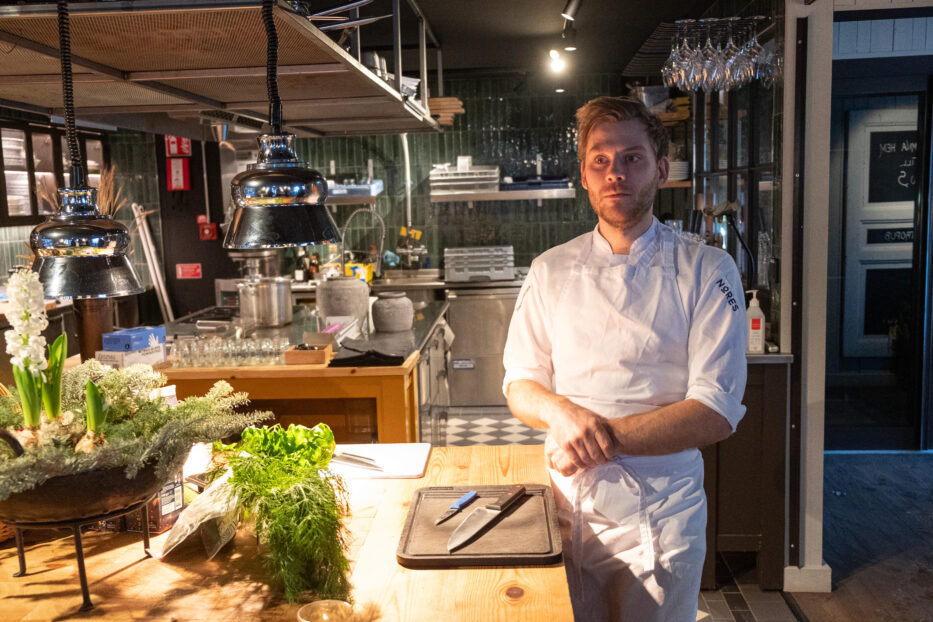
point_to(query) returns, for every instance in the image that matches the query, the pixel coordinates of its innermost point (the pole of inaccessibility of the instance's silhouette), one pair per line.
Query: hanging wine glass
(732, 55)
(669, 69)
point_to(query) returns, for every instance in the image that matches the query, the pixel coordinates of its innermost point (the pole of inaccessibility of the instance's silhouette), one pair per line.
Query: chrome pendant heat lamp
(279, 200)
(79, 252)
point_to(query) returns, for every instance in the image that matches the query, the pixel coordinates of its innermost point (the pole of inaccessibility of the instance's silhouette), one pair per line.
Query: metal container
(266, 301)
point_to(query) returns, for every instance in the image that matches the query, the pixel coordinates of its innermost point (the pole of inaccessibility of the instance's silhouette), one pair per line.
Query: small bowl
(326, 611)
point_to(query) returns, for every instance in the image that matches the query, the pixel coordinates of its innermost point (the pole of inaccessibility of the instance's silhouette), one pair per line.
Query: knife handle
(508, 498)
(460, 503)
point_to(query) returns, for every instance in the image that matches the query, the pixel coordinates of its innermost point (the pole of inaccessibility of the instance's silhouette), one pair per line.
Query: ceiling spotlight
(569, 36)
(558, 90)
(557, 64)
(570, 9)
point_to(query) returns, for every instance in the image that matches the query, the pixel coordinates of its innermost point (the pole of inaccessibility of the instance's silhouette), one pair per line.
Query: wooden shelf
(686, 183)
(670, 118)
(505, 195)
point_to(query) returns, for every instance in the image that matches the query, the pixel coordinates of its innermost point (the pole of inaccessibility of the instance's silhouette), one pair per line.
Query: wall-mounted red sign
(177, 146)
(177, 174)
(187, 271)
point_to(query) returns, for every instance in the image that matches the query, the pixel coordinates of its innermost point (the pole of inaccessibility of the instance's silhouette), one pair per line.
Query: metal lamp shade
(279, 201)
(81, 254)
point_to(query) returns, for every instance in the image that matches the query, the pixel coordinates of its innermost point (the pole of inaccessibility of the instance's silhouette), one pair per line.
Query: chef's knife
(480, 518)
(361, 462)
(456, 506)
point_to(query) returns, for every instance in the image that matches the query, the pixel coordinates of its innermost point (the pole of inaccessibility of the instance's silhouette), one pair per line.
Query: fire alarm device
(207, 230)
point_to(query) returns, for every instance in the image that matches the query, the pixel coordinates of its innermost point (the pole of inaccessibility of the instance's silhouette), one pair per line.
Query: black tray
(526, 535)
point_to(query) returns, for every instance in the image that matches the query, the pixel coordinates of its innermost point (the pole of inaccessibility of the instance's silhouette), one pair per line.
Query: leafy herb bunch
(281, 479)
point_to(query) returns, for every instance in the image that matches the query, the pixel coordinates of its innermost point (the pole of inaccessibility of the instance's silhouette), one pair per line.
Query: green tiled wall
(508, 121)
(133, 157)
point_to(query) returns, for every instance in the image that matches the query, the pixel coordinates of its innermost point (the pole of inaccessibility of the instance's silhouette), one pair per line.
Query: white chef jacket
(712, 296)
(623, 334)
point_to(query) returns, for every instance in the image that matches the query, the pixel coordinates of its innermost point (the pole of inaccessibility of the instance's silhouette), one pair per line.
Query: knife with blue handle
(481, 518)
(456, 506)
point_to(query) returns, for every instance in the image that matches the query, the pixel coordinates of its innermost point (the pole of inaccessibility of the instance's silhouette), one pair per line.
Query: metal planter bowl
(79, 496)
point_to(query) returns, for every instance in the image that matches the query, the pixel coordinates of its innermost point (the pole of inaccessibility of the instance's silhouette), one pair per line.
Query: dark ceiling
(516, 34)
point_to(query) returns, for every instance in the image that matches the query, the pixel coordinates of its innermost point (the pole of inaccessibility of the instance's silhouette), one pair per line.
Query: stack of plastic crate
(479, 263)
(446, 179)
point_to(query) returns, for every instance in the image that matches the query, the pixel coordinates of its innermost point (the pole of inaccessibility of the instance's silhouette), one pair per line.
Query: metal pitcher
(266, 301)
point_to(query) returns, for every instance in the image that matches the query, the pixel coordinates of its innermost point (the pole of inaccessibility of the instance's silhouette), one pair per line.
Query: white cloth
(624, 334)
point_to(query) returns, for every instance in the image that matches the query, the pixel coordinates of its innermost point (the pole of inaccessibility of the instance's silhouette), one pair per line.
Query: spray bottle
(756, 325)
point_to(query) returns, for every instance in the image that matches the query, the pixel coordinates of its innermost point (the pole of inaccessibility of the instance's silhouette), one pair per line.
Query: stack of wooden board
(444, 108)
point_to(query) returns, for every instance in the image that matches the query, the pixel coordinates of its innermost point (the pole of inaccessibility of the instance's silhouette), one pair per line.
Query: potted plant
(90, 440)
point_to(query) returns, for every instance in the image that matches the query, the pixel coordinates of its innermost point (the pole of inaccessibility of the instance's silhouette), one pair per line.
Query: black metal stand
(75, 526)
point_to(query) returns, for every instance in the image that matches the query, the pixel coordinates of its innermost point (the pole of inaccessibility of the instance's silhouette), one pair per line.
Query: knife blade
(456, 506)
(361, 462)
(481, 518)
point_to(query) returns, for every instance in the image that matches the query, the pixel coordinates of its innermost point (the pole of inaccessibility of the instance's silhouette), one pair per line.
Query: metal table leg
(20, 552)
(79, 551)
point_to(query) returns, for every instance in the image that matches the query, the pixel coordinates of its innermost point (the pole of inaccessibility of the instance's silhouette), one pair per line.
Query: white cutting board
(398, 460)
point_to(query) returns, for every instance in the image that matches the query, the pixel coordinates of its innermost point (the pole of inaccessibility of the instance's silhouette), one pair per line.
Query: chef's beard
(630, 210)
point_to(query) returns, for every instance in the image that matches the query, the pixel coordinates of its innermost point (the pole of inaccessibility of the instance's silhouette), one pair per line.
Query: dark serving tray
(526, 535)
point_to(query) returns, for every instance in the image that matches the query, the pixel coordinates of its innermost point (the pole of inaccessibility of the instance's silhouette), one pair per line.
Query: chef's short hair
(605, 108)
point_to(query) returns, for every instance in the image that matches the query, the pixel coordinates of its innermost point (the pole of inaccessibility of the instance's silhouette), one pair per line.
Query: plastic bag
(215, 509)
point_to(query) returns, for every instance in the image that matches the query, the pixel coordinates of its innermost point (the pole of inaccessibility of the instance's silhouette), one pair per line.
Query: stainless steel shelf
(505, 195)
(184, 62)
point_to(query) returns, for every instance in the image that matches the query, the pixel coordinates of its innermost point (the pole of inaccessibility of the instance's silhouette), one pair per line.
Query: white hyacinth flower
(25, 343)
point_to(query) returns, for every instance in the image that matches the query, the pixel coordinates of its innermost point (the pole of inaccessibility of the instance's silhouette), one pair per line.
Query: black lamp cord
(272, 61)
(730, 218)
(78, 178)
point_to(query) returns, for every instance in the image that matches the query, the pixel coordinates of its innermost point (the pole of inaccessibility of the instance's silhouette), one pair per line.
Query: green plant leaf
(29, 388)
(94, 404)
(52, 386)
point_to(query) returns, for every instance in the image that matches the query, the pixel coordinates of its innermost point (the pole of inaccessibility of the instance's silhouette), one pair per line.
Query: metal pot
(266, 301)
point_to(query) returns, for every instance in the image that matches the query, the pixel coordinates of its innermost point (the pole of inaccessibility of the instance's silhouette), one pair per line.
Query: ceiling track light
(569, 36)
(570, 9)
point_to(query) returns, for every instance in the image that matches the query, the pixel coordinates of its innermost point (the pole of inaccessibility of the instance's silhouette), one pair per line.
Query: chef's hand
(557, 459)
(585, 437)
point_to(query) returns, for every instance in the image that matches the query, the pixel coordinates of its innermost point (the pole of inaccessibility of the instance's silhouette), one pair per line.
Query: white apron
(634, 530)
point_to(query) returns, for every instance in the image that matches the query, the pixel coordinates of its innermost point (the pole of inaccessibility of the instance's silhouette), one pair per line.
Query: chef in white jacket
(628, 345)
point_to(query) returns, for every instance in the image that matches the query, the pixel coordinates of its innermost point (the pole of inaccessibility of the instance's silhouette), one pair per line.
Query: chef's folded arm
(717, 344)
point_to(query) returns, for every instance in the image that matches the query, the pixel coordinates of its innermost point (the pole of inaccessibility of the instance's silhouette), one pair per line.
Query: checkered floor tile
(484, 426)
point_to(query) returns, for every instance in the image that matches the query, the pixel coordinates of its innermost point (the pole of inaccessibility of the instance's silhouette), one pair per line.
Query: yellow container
(362, 271)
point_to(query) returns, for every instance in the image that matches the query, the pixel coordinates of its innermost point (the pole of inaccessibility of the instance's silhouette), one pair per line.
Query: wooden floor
(877, 538)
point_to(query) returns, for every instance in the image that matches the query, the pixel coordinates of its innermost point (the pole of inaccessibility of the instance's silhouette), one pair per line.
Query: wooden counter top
(125, 584)
(286, 371)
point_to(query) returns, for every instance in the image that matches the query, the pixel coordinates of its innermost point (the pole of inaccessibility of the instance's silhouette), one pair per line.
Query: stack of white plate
(679, 171)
